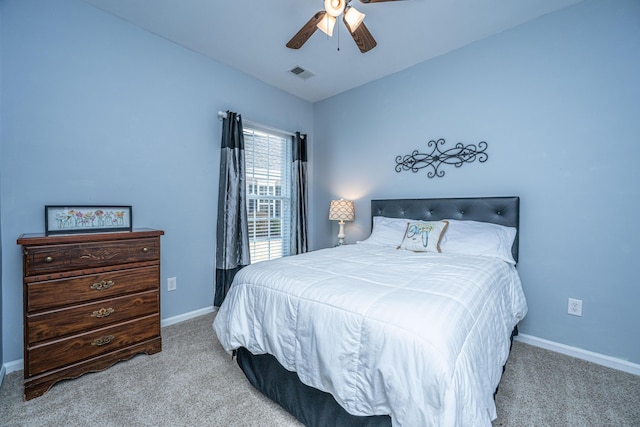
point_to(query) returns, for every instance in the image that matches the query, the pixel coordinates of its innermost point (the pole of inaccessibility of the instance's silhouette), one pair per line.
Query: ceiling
(250, 35)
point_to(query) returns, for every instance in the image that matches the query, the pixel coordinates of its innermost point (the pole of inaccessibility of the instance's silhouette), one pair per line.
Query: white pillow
(423, 236)
(387, 231)
(479, 238)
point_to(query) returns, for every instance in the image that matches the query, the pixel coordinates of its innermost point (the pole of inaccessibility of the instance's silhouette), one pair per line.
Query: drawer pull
(103, 312)
(103, 284)
(48, 259)
(103, 340)
(145, 250)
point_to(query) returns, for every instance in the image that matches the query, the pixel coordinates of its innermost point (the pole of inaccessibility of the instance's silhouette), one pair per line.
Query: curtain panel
(232, 239)
(299, 198)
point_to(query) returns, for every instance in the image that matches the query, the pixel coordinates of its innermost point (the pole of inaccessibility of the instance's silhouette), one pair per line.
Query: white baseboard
(15, 365)
(589, 356)
(18, 365)
(597, 358)
(187, 316)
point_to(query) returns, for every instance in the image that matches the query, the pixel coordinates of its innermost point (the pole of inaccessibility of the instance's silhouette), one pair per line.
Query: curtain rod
(223, 115)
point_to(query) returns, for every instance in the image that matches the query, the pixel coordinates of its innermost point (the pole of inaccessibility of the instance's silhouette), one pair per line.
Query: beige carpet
(193, 382)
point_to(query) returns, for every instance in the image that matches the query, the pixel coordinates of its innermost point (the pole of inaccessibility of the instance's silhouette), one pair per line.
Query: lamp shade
(353, 18)
(326, 24)
(342, 210)
(334, 7)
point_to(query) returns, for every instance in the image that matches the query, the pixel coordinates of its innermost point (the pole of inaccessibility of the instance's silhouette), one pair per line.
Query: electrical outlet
(575, 307)
(171, 284)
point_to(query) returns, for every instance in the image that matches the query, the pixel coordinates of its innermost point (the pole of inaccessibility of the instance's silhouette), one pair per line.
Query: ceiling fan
(325, 20)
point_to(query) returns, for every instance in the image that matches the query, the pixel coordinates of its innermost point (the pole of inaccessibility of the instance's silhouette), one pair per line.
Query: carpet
(194, 382)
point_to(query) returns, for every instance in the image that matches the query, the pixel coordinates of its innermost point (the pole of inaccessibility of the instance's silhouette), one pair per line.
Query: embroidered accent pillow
(423, 236)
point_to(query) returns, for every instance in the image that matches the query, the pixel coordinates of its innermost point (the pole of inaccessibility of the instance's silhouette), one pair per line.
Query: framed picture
(86, 219)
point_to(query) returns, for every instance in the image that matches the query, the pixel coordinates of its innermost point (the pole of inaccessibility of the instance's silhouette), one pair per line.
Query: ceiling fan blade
(375, 1)
(362, 37)
(306, 31)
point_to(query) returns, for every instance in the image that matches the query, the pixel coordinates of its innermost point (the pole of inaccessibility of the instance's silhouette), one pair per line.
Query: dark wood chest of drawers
(90, 300)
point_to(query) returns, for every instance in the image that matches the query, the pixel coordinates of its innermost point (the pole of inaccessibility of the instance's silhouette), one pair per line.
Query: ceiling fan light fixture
(326, 24)
(334, 7)
(353, 18)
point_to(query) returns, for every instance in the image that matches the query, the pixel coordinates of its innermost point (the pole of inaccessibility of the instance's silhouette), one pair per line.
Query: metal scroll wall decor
(457, 156)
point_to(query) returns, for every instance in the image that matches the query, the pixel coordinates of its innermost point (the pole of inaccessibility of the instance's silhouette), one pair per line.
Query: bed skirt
(312, 407)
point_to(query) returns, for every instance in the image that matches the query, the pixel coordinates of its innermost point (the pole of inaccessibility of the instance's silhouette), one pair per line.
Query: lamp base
(341, 233)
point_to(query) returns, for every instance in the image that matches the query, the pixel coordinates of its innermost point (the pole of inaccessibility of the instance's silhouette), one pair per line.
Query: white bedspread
(419, 336)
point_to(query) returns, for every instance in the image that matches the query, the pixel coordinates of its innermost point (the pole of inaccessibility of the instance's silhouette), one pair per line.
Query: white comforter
(419, 336)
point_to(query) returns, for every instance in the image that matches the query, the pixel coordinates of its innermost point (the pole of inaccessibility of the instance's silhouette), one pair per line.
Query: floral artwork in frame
(87, 219)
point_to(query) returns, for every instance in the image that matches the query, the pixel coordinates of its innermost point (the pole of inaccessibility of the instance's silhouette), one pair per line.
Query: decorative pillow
(387, 231)
(423, 236)
(479, 238)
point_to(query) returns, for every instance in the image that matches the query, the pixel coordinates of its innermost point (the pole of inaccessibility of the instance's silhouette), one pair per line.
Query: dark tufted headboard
(497, 210)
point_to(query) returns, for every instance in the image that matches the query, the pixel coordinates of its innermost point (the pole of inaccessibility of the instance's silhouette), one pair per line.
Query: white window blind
(268, 180)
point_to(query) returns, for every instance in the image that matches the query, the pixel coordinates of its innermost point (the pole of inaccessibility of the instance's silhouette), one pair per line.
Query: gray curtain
(232, 240)
(299, 243)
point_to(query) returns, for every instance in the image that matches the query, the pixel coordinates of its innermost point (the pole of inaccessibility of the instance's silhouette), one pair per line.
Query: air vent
(301, 72)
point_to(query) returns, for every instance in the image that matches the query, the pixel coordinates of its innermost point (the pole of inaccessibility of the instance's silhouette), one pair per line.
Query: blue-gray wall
(558, 101)
(96, 111)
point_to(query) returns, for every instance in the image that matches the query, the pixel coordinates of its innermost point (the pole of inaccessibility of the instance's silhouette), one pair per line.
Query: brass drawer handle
(103, 284)
(48, 259)
(145, 250)
(103, 340)
(103, 312)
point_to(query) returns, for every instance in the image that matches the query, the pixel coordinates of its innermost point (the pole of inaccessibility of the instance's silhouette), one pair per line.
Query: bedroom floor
(193, 382)
(545, 388)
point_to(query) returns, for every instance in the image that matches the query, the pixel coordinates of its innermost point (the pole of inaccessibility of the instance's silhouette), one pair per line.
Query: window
(268, 178)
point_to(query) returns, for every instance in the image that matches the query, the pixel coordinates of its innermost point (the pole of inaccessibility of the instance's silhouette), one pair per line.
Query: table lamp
(341, 210)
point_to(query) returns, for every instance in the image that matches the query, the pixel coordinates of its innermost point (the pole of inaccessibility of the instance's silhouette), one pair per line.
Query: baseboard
(15, 365)
(589, 356)
(18, 365)
(186, 316)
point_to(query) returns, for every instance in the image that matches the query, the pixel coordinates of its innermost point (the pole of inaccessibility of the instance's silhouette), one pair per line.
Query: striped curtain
(232, 239)
(299, 242)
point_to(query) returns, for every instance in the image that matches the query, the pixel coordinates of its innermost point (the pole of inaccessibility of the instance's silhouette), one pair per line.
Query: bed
(373, 335)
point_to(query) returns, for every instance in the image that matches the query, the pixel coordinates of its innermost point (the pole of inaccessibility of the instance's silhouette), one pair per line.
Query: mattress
(421, 337)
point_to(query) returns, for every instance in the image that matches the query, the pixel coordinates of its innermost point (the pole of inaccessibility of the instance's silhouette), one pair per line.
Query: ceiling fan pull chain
(338, 38)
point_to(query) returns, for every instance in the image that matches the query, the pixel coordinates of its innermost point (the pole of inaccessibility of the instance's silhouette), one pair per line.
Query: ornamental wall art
(436, 155)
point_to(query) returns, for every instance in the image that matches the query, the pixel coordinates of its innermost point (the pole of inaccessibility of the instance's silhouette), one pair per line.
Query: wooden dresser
(90, 300)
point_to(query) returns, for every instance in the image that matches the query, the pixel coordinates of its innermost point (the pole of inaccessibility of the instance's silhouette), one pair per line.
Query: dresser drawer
(67, 321)
(52, 294)
(45, 357)
(66, 257)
